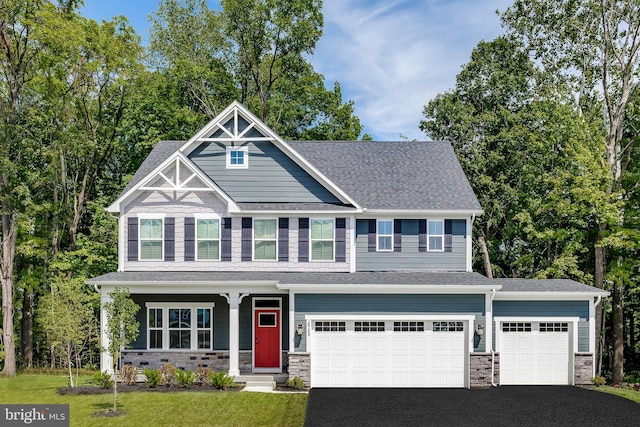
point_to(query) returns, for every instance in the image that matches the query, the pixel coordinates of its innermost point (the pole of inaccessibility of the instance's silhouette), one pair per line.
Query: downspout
(493, 353)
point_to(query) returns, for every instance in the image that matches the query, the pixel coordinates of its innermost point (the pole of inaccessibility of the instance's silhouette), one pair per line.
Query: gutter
(493, 353)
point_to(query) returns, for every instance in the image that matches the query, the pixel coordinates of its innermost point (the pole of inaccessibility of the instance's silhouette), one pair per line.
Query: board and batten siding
(578, 309)
(387, 304)
(271, 176)
(410, 257)
(201, 203)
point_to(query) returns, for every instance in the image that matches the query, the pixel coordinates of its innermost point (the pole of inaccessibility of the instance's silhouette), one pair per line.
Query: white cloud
(391, 58)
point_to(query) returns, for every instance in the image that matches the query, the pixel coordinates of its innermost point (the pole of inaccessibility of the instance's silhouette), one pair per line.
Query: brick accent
(480, 370)
(583, 368)
(300, 366)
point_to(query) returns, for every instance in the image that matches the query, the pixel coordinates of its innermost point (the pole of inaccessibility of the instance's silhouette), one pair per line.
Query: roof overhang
(387, 289)
(413, 213)
(549, 295)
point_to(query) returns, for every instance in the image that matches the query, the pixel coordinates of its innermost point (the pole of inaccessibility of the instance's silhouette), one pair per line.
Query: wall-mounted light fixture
(300, 329)
(480, 329)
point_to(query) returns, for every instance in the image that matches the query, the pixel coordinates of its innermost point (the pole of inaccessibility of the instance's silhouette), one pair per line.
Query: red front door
(267, 338)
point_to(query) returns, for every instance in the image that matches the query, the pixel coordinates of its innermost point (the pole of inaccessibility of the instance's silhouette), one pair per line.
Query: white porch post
(292, 322)
(234, 299)
(106, 361)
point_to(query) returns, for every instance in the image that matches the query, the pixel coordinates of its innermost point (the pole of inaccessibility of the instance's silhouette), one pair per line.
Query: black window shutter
(225, 240)
(169, 239)
(422, 235)
(189, 239)
(303, 239)
(372, 235)
(247, 238)
(132, 239)
(448, 235)
(397, 235)
(341, 240)
(283, 239)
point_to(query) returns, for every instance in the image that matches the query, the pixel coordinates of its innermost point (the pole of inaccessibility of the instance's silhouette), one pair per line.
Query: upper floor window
(385, 235)
(264, 239)
(208, 239)
(435, 237)
(322, 239)
(151, 241)
(237, 157)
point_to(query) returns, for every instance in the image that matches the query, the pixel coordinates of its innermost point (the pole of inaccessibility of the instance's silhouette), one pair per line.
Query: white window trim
(244, 165)
(378, 235)
(254, 240)
(206, 217)
(165, 306)
(435, 235)
(161, 239)
(311, 240)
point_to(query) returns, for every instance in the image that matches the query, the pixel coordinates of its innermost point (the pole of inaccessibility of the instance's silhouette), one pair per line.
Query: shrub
(202, 374)
(103, 379)
(296, 383)
(128, 374)
(168, 372)
(598, 381)
(153, 377)
(186, 378)
(220, 380)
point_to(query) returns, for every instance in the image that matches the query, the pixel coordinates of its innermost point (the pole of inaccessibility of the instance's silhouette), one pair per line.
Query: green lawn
(160, 409)
(622, 392)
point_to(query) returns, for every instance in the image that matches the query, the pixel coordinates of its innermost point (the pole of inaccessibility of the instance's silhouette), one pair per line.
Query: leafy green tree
(592, 47)
(121, 328)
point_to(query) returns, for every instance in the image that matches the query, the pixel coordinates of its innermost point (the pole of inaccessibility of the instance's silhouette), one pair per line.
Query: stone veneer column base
(300, 366)
(480, 370)
(583, 368)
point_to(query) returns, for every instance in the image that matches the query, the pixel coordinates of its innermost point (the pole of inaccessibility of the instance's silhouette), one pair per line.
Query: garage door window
(554, 327)
(330, 327)
(448, 326)
(369, 326)
(408, 326)
(516, 327)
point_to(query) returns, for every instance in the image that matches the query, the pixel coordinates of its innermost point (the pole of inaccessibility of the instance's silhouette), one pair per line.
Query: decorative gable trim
(239, 136)
(170, 176)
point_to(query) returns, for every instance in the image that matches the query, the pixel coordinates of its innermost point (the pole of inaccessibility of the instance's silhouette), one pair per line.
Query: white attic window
(237, 157)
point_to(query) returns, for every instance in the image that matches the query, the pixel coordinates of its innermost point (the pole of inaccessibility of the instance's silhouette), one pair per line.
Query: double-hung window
(175, 326)
(265, 239)
(385, 235)
(435, 237)
(322, 239)
(151, 241)
(208, 239)
(237, 157)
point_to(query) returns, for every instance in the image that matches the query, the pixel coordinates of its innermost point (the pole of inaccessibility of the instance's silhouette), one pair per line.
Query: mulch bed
(124, 388)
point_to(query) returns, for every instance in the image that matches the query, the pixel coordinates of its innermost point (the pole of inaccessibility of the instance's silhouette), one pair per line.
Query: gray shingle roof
(422, 175)
(391, 278)
(293, 207)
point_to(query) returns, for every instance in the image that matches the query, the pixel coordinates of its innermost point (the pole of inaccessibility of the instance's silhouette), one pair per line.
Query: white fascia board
(123, 200)
(386, 289)
(412, 213)
(204, 287)
(548, 296)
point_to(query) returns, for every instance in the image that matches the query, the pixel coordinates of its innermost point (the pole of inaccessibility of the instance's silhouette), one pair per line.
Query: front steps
(261, 383)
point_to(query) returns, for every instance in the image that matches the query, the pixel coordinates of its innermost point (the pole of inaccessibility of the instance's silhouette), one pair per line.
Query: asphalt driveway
(513, 406)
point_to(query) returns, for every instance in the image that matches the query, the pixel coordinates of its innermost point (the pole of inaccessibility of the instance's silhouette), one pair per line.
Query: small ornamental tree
(122, 328)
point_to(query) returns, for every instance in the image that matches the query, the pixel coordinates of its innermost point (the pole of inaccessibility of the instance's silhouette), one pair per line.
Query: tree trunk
(618, 334)
(598, 282)
(26, 336)
(9, 234)
(488, 271)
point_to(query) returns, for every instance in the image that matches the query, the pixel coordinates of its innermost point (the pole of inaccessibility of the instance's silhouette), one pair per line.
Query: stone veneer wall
(480, 370)
(583, 368)
(300, 366)
(216, 360)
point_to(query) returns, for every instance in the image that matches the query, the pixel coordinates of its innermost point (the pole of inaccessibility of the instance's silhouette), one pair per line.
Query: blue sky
(390, 57)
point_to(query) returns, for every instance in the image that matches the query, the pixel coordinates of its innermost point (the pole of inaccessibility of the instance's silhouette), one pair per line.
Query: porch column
(106, 361)
(234, 299)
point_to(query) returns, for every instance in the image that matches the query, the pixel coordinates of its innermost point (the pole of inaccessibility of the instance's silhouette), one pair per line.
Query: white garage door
(535, 353)
(388, 353)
